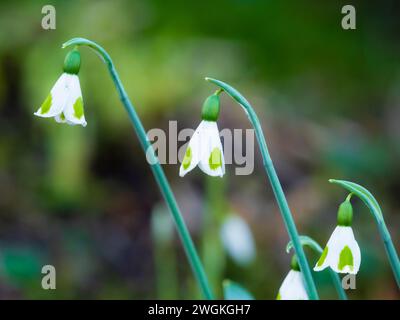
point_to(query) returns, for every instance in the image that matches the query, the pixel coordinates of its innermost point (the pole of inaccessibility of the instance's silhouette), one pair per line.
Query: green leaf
(234, 291)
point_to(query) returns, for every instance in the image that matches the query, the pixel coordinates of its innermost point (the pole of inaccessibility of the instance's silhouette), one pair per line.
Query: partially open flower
(342, 252)
(64, 103)
(292, 287)
(205, 148)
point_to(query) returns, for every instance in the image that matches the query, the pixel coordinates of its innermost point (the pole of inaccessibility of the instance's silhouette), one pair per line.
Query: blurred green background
(84, 199)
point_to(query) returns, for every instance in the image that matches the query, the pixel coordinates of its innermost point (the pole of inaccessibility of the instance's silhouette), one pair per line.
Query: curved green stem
(307, 241)
(155, 166)
(276, 185)
(376, 212)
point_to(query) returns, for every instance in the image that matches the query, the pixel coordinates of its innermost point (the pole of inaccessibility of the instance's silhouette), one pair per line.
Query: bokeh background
(84, 199)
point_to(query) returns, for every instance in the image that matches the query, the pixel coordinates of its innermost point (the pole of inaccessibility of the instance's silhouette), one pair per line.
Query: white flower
(204, 150)
(64, 102)
(238, 240)
(292, 287)
(341, 253)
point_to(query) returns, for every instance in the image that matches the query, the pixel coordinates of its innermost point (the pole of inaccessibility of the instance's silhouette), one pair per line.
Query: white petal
(73, 111)
(341, 239)
(329, 255)
(238, 240)
(292, 287)
(56, 100)
(345, 242)
(212, 160)
(193, 151)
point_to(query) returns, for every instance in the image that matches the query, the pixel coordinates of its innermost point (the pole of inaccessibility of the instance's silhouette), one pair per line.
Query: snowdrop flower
(238, 240)
(292, 287)
(342, 252)
(205, 148)
(64, 103)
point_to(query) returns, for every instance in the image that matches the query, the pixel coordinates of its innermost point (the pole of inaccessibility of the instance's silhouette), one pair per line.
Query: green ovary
(346, 258)
(323, 257)
(215, 160)
(46, 105)
(187, 159)
(78, 108)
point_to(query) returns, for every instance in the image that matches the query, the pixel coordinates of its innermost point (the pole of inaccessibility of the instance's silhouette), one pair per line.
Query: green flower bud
(345, 214)
(294, 264)
(72, 62)
(210, 111)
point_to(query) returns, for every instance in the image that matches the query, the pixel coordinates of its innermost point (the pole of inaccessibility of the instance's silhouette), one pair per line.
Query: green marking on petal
(46, 105)
(62, 116)
(187, 159)
(278, 297)
(323, 257)
(215, 160)
(346, 258)
(78, 108)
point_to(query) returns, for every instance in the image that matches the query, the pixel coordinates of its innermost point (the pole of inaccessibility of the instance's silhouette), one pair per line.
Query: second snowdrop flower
(292, 287)
(342, 253)
(205, 148)
(64, 103)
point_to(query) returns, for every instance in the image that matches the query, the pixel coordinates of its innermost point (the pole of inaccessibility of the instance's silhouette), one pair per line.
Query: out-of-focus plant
(238, 240)
(212, 250)
(234, 291)
(275, 183)
(162, 231)
(66, 105)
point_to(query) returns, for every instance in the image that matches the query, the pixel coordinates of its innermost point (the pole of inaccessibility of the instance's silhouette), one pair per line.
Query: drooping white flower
(292, 287)
(205, 148)
(64, 103)
(238, 240)
(341, 253)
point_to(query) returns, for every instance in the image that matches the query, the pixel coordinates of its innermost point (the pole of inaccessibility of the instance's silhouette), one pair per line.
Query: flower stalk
(156, 168)
(276, 185)
(376, 212)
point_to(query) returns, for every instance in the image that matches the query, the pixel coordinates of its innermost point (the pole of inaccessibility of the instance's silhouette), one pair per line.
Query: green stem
(155, 166)
(376, 212)
(307, 241)
(276, 185)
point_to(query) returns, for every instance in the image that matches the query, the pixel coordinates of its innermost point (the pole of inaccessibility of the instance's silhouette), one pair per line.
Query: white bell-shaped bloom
(341, 253)
(64, 103)
(205, 150)
(238, 240)
(292, 287)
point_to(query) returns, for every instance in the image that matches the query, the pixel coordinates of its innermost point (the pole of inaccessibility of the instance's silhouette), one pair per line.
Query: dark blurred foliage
(81, 199)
